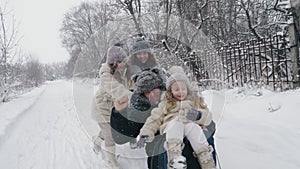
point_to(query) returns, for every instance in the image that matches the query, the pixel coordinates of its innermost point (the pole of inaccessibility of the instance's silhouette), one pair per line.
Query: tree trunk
(294, 29)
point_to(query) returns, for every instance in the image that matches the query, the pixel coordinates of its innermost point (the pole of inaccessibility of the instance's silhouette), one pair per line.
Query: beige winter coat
(109, 90)
(159, 117)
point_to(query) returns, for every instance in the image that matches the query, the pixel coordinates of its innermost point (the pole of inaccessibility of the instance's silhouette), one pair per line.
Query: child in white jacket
(180, 114)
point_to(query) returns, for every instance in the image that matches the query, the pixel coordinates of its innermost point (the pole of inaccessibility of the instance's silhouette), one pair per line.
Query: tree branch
(251, 28)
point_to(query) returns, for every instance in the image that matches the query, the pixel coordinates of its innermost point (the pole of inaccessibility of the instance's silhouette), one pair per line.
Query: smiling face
(121, 66)
(179, 90)
(142, 57)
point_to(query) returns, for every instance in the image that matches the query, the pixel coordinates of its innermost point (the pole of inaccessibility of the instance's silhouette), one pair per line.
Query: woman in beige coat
(114, 84)
(181, 113)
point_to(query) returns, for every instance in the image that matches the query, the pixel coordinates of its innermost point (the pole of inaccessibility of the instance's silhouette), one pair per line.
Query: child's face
(142, 57)
(179, 90)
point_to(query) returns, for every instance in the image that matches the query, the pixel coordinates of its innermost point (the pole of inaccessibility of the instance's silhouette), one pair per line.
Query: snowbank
(14, 109)
(260, 131)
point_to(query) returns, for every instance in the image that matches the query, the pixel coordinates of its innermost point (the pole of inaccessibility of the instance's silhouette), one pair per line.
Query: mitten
(193, 114)
(141, 141)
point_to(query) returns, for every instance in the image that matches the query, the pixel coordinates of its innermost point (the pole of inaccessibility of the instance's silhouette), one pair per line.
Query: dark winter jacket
(126, 124)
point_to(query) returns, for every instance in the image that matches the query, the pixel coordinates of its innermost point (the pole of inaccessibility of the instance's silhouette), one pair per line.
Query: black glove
(193, 114)
(141, 141)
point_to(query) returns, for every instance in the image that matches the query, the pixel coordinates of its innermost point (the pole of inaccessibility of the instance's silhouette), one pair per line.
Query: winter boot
(111, 157)
(174, 149)
(97, 140)
(178, 162)
(205, 158)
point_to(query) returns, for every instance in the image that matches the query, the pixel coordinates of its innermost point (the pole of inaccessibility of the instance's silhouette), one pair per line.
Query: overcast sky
(39, 24)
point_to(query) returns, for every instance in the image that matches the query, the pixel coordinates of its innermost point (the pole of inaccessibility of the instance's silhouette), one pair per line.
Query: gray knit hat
(115, 54)
(148, 80)
(176, 73)
(141, 46)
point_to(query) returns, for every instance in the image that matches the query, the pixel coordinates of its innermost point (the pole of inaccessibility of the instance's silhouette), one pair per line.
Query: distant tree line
(177, 30)
(89, 29)
(18, 71)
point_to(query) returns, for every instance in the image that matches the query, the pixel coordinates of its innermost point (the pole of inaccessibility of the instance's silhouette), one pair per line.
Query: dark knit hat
(115, 54)
(141, 46)
(176, 73)
(148, 80)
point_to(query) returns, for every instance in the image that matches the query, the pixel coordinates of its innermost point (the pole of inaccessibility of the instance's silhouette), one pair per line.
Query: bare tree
(34, 73)
(8, 46)
(58, 69)
(296, 13)
(8, 40)
(227, 21)
(134, 8)
(180, 25)
(79, 26)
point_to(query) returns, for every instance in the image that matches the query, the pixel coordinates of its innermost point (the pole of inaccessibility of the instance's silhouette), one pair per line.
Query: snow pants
(176, 129)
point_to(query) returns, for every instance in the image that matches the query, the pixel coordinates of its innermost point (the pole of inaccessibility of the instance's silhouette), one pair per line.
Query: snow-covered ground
(50, 127)
(45, 133)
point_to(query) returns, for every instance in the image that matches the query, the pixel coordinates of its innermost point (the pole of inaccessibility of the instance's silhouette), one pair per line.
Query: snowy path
(48, 135)
(51, 127)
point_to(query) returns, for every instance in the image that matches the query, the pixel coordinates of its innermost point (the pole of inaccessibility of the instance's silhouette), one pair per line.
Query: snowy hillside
(50, 127)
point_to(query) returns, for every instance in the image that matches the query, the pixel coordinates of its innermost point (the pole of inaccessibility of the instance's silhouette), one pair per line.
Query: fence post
(294, 55)
(293, 35)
